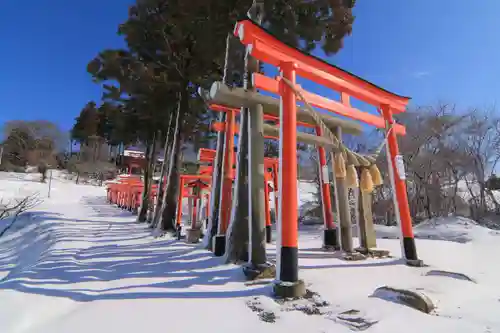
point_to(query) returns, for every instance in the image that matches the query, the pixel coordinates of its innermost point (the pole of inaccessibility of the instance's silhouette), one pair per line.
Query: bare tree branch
(15, 207)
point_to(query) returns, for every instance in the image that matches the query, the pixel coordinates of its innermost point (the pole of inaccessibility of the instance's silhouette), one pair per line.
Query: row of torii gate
(287, 116)
(196, 188)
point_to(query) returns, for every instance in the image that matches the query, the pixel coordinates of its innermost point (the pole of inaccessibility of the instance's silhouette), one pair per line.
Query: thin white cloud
(421, 74)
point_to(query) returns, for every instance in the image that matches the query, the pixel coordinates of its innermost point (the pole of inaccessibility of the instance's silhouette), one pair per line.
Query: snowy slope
(80, 265)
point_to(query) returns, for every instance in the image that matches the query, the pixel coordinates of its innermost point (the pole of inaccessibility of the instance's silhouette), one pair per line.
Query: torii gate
(330, 238)
(271, 174)
(291, 62)
(196, 180)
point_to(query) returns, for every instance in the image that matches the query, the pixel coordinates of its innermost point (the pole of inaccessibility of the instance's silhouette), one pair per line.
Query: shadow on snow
(109, 264)
(117, 258)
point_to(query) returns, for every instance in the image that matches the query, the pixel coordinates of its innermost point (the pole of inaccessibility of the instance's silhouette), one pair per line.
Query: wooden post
(226, 188)
(367, 237)
(400, 197)
(207, 207)
(275, 191)
(324, 185)
(256, 195)
(343, 211)
(227, 179)
(179, 202)
(190, 209)
(216, 187)
(194, 218)
(330, 235)
(268, 213)
(287, 256)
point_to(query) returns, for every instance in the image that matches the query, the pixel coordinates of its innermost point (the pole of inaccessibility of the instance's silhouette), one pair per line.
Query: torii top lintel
(208, 155)
(196, 177)
(265, 47)
(198, 183)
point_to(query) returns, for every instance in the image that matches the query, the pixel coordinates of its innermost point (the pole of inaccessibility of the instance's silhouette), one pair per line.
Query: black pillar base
(178, 232)
(269, 234)
(219, 245)
(409, 248)
(289, 265)
(331, 239)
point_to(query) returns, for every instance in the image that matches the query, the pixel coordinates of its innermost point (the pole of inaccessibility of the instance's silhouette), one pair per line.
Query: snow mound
(452, 229)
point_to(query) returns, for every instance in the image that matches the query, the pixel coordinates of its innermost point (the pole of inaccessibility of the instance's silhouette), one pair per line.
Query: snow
(76, 264)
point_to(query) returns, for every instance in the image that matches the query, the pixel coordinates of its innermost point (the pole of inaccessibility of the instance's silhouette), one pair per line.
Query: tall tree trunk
(256, 158)
(149, 155)
(168, 170)
(170, 203)
(161, 182)
(238, 235)
(213, 220)
(152, 168)
(256, 191)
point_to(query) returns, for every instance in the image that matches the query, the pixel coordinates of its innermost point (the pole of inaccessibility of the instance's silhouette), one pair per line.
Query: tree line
(451, 159)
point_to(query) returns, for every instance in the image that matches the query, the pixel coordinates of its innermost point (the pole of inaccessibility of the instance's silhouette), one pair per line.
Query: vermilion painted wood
(179, 201)
(198, 183)
(275, 189)
(186, 192)
(205, 170)
(222, 108)
(266, 201)
(227, 174)
(206, 155)
(272, 86)
(288, 160)
(269, 49)
(194, 212)
(399, 182)
(194, 177)
(326, 203)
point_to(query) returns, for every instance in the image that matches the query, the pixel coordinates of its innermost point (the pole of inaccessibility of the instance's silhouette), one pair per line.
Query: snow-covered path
(88, 268)
(81, 265)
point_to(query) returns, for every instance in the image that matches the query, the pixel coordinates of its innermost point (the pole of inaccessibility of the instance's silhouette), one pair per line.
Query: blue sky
(429, 50)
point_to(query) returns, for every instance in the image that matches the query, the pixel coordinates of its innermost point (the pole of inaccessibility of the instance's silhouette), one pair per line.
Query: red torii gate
(208, 155)
(291, 62)
(184, 192)
(325, 188)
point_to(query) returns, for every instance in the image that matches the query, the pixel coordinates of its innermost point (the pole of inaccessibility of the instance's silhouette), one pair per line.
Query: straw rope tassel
(352, 177)
(375, 174)
(340, 171)
(366, 181)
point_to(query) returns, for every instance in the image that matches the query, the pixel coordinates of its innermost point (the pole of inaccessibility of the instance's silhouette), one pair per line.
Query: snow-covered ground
(76, 264)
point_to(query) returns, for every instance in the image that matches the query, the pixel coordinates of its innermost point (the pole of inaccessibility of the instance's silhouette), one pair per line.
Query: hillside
(76, 264)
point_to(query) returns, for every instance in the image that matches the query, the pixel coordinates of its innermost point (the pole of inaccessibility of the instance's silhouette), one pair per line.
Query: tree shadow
(179, 267)
(337, 258)
(122, 262)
